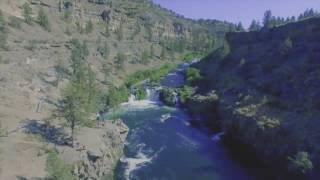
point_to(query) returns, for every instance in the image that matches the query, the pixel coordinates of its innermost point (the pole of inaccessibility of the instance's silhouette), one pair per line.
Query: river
(161, 144)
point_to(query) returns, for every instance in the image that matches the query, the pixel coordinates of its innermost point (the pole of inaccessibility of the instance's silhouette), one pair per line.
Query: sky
(237, 10)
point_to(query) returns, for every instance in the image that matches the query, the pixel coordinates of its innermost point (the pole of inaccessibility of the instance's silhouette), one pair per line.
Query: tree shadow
(49, 133)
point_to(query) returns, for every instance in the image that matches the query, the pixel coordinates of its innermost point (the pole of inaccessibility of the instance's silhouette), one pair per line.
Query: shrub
(43, 20)
(89, 27)
(14, 22)
(116, 96)
(27, 13)
(140, 93)
(66, 16)
(193, 76)
(3, 33)
(32, 45)
(119, 32)
(120, 60)
(57, 169)
(300, 163)
(104, 50)
(145, 57)
(286, 46)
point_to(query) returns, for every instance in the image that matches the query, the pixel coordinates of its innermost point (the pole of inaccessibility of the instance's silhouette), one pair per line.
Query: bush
(120, 60)
(116, 96)
(300, 163)
(27, 13)
(89, 27)
(145, 57)
(193, 76)
(185, 94)
(3, 33)
(104, 50)
(154, 76)
(286, 46)
(57, 169)
(14, 22)
(43, 20)
(140, 93)
(32, 45)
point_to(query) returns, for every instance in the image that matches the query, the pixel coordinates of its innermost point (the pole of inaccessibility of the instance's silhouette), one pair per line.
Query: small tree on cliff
(80, 96)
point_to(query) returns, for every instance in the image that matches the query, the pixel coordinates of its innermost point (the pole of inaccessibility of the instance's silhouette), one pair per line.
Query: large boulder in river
(168, 96)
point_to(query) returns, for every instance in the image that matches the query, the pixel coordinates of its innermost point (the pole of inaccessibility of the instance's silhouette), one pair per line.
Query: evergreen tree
(145, 57)
(255, 26)
(267, 20)
(80, 96)
(151, 51)
(43, 20)
(240, 27)
(163, 54)
(3, 33)
(119, 32)
(120, 60)
(89, 26)
(27, 13)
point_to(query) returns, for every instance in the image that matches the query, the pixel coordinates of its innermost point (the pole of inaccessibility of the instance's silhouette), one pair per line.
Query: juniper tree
(27, 13)
(43, 20)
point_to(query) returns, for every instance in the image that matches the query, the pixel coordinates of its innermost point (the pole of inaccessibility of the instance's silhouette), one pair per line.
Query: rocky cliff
(268, 88)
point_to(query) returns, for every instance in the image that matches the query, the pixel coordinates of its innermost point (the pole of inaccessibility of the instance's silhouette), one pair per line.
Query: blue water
(161, 145)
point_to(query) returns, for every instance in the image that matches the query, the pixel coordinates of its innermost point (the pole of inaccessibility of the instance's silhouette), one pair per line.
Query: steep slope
(268, 87)
(123, 37)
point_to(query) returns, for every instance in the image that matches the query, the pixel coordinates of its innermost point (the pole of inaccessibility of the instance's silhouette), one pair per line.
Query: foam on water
(165, 117)
(140, 160)
(217, 137)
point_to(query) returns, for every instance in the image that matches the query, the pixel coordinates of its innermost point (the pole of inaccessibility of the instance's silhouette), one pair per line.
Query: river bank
(163, 143)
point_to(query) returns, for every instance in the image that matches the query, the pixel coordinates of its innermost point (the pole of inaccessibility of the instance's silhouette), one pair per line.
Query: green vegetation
(27, 13)
(104, 50)
(80, 98)
(116, 96)
(32, 45)
(154, 76)
(300, 163)
(145, 57)
(119, 32)
(89, 27)
(14, 22)
(185, 93)
(57, 169)
(163, 54)
(193, 76)
(286, 46)
(120, 60)
(140, 93)
(43, 20)
(192, 56)
(3, 33)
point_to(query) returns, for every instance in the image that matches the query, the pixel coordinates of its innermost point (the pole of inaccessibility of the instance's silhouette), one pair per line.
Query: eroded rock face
(98, 150)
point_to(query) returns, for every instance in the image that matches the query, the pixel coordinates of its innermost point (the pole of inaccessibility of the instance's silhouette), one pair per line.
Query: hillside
(268, 88)
(122, 37)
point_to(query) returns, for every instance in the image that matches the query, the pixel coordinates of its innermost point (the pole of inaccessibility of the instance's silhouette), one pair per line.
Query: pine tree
(89, 27)
(267, 20)
(240, 27)
(3, 33)
(27, 13)
(255, 26)
(43, 20)
(80, 96)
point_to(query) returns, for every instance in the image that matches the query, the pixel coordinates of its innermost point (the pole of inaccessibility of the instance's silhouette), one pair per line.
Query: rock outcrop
(97, 151)
(268, 86)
